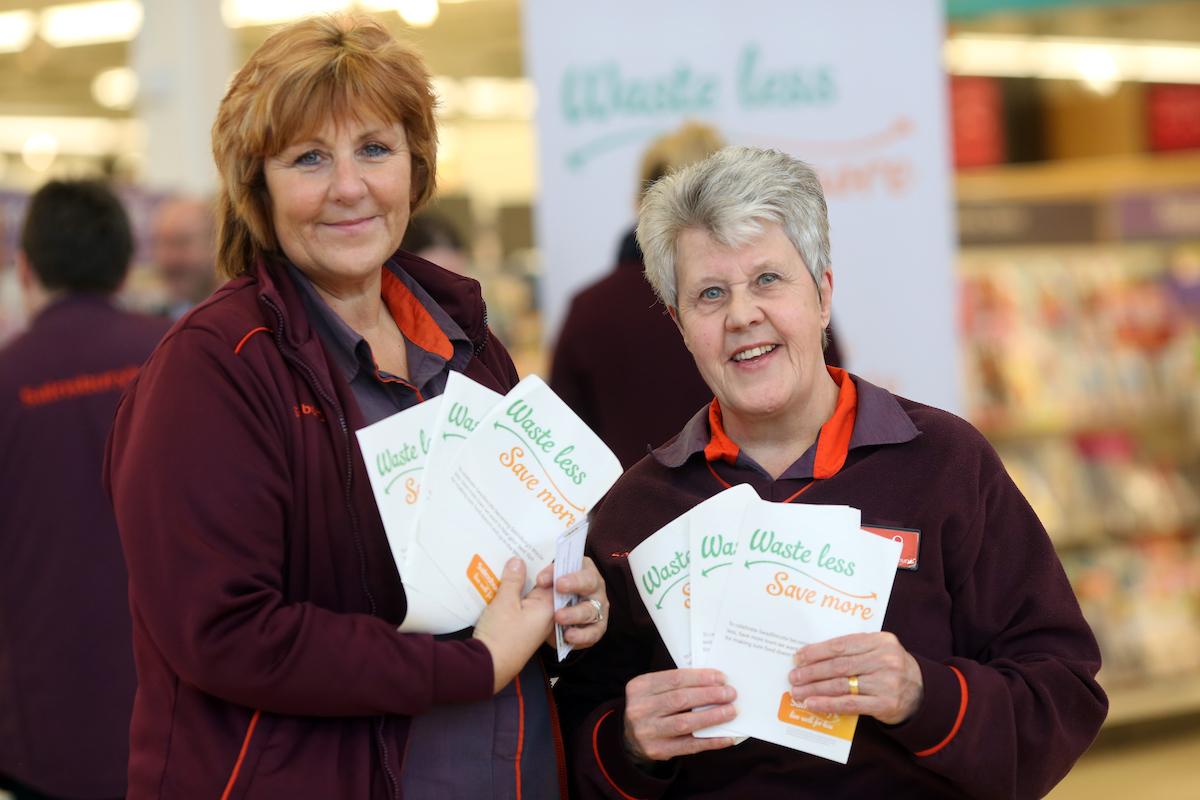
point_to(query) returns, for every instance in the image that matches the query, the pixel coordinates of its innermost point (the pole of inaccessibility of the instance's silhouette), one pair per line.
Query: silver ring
(596, 604)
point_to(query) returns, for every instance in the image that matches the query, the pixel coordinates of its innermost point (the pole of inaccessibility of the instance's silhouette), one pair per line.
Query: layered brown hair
(301, 78)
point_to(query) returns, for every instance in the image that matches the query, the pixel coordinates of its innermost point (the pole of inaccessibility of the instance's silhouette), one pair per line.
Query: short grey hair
(731, 194)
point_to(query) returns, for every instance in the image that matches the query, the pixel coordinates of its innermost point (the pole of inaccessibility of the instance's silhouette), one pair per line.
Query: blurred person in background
(433, 237)
(264, 592)
(982, 683)
(183, 248)
(66, 663)
(617, 334)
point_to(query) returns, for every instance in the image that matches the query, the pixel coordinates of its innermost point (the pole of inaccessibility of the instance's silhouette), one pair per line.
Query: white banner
(856, 88)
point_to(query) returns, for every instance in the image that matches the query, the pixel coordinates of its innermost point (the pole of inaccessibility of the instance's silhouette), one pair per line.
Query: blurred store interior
(1076, 145)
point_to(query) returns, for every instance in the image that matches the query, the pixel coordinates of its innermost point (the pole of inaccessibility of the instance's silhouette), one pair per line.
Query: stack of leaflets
(739, 584)
(467, 480)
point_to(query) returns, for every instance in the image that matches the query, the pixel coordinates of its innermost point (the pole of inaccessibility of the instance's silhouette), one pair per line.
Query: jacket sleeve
(1010, 713)
(590, 692)
(200, 473)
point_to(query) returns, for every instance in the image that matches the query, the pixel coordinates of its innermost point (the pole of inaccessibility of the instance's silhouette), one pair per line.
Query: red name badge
(909, 539)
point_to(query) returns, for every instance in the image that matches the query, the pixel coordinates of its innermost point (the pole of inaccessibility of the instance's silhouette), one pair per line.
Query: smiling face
(753, 319)
(340, 200)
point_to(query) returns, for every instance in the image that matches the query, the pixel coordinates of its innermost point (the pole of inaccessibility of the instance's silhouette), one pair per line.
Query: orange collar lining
(414, 321)
(720, 447)
(833, 440)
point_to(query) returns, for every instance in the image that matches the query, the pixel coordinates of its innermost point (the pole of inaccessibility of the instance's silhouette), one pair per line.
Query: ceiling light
(39, 151)
(115, 88)
(76, 136)
(16, 30)
(1098, 70)
(417, 13)
(245, 13)
(91, 23)
(1099, 62)
(498, 98)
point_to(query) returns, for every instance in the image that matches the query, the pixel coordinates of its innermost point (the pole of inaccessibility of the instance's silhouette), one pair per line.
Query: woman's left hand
(585, 622)
(863, 673)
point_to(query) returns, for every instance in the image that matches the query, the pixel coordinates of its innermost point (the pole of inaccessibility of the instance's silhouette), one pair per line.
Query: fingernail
(721, 677)
(513, 564)
(728, 694)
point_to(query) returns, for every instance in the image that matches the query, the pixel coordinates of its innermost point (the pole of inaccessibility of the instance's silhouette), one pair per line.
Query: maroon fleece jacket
(265, 599)
(988, 601)
(66, 666)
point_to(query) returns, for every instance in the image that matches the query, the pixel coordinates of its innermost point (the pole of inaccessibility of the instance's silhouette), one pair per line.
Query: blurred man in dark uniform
(66, 664)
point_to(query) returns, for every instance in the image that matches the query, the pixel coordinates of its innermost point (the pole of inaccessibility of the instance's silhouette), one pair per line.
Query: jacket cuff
(607, 742)
(940, 715)
(462, 670)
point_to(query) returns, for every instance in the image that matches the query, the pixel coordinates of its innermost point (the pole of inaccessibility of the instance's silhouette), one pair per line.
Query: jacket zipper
(315, 384)
(483, 340)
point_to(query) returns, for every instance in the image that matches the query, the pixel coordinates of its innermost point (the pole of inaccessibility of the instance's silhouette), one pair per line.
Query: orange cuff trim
(413, 319)
(599, 763)
(720, 447)
(833, 441)
(962, 710)
(240, 344)
(245, 745)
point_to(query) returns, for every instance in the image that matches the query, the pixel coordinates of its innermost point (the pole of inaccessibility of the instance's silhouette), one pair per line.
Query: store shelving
(1081, 350)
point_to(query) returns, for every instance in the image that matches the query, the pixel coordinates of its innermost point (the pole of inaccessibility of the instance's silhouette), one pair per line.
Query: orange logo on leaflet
(482, 578)
(836, 725)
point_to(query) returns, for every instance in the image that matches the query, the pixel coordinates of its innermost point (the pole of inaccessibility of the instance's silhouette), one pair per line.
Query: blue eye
(309, 158)
(375, 150)
(711, 293)
(767, 278)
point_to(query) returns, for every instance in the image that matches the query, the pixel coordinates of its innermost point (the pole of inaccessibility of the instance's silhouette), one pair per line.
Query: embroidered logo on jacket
(307, 410)
(114, 380)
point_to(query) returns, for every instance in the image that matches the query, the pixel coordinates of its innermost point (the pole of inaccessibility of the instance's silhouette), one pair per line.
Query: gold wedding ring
(596, 604)
(853, 684)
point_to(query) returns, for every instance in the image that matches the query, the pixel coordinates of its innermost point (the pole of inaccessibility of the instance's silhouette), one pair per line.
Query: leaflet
(568, 558)
(431, 610)
(396, 450)
(803, 574)
(712, 538)
(529, 471)
(427, 614)
(464, 403)
(661, 570)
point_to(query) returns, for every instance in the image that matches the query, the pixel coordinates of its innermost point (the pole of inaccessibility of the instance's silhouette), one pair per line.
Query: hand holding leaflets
(502, 477)
(763, 581)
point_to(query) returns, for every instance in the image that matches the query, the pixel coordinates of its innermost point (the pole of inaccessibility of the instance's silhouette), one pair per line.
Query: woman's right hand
(513, 627)
(659, 719)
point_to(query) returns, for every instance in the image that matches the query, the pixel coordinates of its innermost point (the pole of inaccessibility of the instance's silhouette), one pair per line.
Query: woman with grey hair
(982, 682)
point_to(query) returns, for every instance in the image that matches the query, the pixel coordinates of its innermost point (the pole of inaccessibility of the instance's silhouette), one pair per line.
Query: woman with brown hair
(264, 595)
